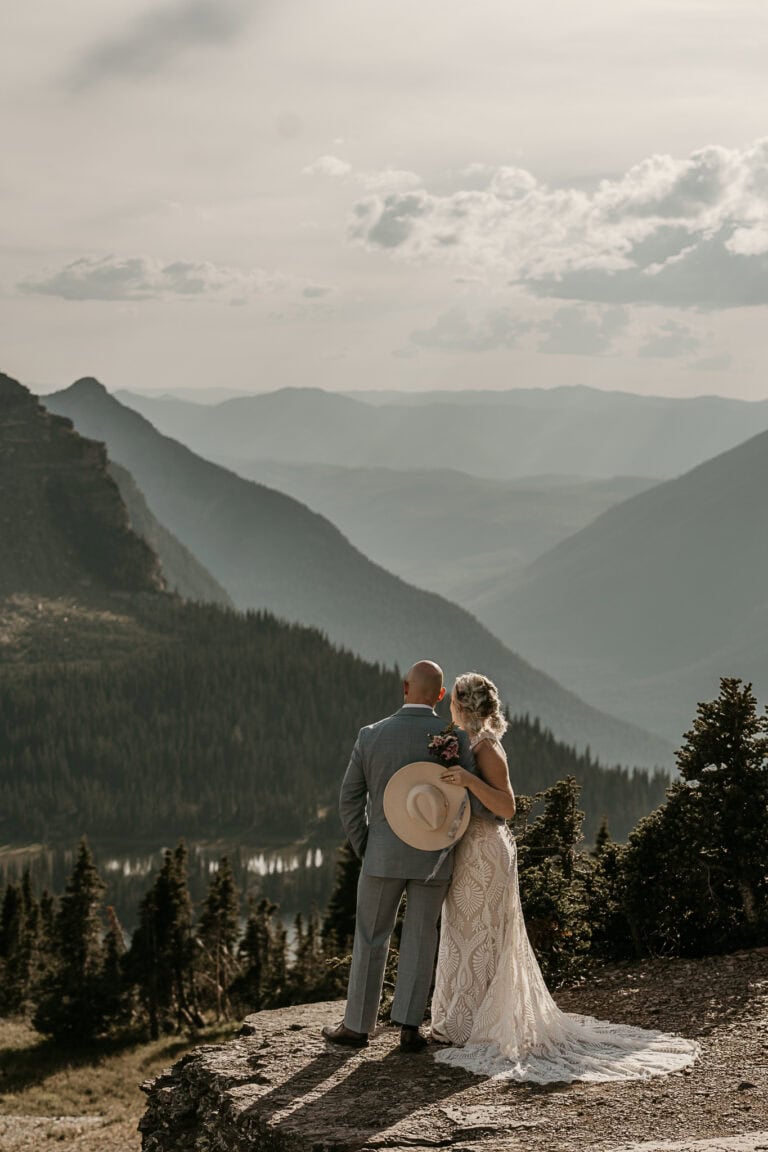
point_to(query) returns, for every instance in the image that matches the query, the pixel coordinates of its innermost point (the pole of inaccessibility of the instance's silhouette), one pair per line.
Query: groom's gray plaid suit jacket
(380, 750)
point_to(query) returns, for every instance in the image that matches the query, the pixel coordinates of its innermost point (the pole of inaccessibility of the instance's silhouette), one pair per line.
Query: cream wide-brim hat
(423, 810)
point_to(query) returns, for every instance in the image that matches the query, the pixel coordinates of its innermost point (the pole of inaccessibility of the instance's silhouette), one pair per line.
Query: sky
(417, 194)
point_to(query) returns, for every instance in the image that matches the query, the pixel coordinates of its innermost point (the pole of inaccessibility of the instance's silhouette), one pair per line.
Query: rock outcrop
(64, 530)
(279, 1088)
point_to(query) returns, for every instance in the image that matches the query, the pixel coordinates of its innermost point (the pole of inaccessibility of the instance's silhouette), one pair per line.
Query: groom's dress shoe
(411, 1040)
(343, 1035)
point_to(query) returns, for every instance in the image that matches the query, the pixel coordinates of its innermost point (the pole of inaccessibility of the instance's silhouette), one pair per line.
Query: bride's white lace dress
(490, 998)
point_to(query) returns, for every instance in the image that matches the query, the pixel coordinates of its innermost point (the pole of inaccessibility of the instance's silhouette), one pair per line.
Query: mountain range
(527, 432)
(130, 714)
(270, 552)
(644, 609)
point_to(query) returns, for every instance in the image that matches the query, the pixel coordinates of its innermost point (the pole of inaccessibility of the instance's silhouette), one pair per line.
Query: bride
(490, 1001)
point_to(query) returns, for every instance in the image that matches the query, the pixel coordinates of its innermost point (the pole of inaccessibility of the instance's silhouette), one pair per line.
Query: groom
(391, 867)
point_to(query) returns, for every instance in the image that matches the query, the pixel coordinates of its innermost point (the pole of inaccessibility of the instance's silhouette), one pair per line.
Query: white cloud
(686, 232)
(749, 241)
(384, 180)
(327, 166)
(145, 278)
(389, 179)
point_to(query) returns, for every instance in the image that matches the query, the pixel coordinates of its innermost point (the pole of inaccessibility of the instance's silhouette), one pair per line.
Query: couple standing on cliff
(426, 811)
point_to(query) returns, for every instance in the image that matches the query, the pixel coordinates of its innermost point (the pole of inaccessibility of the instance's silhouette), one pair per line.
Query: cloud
(583, 332)
(160, 33)
(705, 274)
(579, 331)
(384, 180)
(144, 278)
(394, 224)
(669, 340)
(389, 179)
(453, 331)
(327, 166)
(690, 232)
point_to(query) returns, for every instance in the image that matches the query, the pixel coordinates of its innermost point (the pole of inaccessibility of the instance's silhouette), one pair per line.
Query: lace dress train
(490, 997)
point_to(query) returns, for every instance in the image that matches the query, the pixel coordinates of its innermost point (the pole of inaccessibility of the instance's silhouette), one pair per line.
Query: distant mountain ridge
(270, 552)
(528, 432)
(650, 604)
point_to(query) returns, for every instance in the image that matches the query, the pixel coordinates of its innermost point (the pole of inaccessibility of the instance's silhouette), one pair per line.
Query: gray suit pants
(378, 898)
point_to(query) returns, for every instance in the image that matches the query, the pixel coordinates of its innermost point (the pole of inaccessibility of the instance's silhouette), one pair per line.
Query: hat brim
(406, 829)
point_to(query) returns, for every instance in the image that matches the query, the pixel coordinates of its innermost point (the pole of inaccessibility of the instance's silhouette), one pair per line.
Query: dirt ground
(718, 1105)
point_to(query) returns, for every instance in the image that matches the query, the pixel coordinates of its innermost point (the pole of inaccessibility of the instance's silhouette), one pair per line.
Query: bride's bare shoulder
(487, 741)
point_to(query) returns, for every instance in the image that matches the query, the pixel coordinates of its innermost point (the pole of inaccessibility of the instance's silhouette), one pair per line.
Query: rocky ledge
(278, 1087)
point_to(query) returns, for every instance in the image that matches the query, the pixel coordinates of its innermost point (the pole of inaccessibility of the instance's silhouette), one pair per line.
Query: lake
(297, 877)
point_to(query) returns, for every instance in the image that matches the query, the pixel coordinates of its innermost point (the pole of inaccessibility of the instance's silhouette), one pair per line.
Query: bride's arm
(491, 785)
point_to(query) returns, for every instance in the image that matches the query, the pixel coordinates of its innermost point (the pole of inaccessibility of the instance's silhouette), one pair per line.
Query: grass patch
(41, 1078)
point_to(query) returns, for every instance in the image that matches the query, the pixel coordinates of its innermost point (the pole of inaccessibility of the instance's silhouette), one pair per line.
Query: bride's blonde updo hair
(480, 704)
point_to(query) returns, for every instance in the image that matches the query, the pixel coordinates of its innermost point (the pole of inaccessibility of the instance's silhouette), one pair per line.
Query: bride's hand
(456, 775)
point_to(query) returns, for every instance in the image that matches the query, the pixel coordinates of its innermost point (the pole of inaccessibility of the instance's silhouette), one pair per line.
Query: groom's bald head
(423, 683)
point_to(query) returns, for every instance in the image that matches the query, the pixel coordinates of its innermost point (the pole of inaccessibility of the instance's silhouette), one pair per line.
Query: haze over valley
(635, 591)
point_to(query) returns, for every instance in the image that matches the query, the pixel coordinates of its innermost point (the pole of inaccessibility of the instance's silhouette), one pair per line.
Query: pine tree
(256, 985)
(251, 986)
(115, 996)
(557, 832)
(724, 763)
(160, 959)
(694, 874)
(70, 1006)
(308, 978)
(553, 880)
(217, 935)
(12, 967)
(278, 965)
(603, 838)
(339, 924)
(610, 935)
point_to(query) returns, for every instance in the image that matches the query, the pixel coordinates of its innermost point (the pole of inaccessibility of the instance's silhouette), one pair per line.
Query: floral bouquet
(445, 746)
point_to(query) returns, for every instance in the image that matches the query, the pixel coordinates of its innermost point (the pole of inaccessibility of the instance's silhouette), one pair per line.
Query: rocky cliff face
(64, 530)
(280, 1088)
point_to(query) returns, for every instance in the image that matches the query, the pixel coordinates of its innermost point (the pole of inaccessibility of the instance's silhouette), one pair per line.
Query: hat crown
(422, 809)
(427, 806)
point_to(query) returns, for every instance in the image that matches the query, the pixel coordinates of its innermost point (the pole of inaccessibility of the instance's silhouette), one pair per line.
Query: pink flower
(445, 746)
